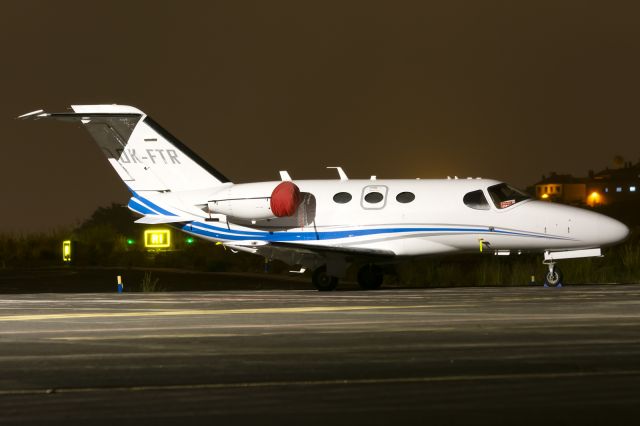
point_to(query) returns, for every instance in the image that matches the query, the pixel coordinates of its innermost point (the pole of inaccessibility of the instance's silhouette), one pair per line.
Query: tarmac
(516, 355)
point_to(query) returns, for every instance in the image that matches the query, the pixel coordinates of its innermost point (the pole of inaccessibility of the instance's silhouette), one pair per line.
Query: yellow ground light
(66, 251)
(157, 238)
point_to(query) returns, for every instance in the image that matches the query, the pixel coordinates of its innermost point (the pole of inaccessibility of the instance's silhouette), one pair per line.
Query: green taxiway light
(130, 241)
(189, 240)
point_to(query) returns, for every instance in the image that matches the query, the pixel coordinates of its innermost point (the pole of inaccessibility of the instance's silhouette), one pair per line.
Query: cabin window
(405, 197)
(373, 197)
(504, 196)
(342, 197)
(476, 200)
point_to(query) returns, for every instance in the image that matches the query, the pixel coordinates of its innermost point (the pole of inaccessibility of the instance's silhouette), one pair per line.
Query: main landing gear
(322, 281)
(369, 277)
(554, 276)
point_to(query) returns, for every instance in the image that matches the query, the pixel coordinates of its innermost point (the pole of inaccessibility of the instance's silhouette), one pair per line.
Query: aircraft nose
(612, 231)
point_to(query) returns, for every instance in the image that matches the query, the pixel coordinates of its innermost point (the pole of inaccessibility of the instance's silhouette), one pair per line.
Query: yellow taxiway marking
(191, 312)
(150, 336)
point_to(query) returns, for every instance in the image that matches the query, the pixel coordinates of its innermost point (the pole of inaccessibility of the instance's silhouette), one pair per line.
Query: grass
(150, 284)
(620, 264)
(102, 246)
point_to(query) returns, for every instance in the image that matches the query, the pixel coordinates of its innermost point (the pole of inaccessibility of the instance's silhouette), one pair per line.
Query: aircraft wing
(333, 250)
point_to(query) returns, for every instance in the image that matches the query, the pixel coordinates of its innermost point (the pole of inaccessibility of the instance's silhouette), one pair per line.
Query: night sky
(503, 89)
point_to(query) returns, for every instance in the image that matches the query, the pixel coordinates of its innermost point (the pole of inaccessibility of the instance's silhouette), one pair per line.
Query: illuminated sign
(66, 251)
(157, 238)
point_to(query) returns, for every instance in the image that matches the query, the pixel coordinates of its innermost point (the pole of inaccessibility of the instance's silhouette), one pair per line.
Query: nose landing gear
(554, 276)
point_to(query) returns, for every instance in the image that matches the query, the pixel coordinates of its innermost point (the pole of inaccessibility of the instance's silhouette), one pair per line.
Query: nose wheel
(553, 276)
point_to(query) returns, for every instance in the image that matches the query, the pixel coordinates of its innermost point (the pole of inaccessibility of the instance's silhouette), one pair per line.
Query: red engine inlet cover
(285, 199)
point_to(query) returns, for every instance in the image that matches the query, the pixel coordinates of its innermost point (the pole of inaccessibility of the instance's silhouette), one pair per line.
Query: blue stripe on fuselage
(237, 235)
(154, 206)
(139, 208)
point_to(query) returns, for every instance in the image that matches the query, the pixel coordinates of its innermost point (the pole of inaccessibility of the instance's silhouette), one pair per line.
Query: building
(607, 187)
(562, 188)
(615, 185)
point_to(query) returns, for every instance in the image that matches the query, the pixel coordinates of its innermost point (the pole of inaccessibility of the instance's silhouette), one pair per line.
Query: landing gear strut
(370, 277)
(322, 281)
(553, 276)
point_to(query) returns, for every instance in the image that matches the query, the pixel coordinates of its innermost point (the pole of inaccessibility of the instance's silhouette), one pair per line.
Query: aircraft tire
(322, 281)
(370, 277)
(553, 278)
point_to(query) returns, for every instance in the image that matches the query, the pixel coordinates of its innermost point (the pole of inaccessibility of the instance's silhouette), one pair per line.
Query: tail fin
(145, 156)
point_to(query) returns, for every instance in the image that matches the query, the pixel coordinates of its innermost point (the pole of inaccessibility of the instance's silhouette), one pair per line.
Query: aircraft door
(374, 197)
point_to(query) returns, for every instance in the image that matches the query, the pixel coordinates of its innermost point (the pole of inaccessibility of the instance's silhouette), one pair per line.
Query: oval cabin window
(373, 197)
(405, 197)
(342, 197)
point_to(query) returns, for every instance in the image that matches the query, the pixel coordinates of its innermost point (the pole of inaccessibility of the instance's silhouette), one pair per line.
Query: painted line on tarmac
(193, 312)
(334, 382)
(151, 336)
(430, 310)
(302, 325)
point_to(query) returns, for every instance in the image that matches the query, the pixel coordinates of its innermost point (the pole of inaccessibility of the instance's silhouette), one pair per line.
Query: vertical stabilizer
(145, 156)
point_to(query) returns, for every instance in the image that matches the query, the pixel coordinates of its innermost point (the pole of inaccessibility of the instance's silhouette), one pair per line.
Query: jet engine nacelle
(257, 202)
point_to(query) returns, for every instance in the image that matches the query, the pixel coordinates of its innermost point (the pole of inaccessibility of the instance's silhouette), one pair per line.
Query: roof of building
(555, 178)
(629, 172)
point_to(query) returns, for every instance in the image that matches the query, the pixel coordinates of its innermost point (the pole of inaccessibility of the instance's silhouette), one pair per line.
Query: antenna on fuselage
(284, 176)
(341, 173)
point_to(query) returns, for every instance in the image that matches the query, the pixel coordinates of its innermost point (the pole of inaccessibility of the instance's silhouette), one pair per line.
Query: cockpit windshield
(504, 196)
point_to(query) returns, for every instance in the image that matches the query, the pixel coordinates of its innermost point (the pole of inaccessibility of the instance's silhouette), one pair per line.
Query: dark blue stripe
(139, 208)
(235, 231)
(224, 233)
(157, 208)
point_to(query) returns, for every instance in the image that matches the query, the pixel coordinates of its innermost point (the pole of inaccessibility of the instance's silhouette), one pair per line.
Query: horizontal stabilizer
(248, 246)
(154, 219)
(246, 243)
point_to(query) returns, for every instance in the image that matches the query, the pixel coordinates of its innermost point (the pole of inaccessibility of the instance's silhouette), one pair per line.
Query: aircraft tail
(145, 156)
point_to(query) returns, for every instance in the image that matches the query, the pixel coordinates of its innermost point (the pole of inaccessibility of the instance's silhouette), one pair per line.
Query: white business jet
(328, 225)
